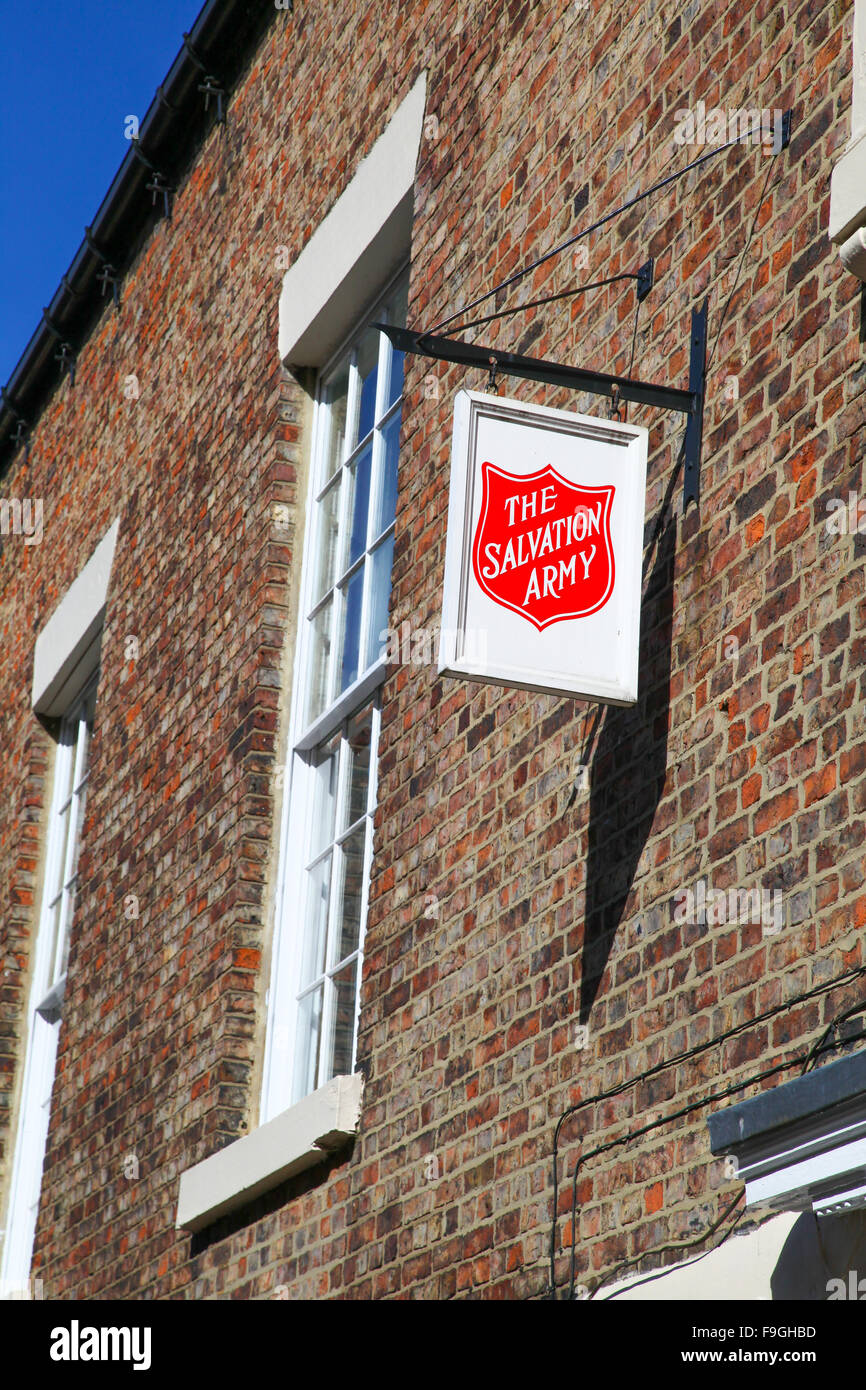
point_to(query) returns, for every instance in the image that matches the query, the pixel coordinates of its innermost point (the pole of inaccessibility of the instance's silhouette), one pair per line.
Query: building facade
(327, 976)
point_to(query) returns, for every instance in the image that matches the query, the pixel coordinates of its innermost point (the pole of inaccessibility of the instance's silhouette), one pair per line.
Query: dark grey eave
(176, 123)
(804, 1097)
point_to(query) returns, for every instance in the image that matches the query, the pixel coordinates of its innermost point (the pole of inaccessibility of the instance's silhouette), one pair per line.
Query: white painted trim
(42, 1035)
(278, 1071)
(345, 704)
(848, 179)
(792, 1185)
(67, 649)
(858, 73)
(741, 1269)
(359, 244)
(848, 193)
(303, 1135)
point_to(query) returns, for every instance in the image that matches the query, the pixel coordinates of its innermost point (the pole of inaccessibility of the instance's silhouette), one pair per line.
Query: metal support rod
(22, 428)
(695, 422)
(618, 388)
(537, 369)
(108, 276)
(107, 273)
(65, 353)
(781, 141)
(211, 88)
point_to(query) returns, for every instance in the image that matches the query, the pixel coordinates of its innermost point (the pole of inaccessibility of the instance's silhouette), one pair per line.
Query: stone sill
(299, 1138)
(848, 192)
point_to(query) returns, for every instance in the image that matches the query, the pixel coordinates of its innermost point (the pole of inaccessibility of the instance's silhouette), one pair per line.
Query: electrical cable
(659, 1067)
(646, 1129)
(656, 1124)
(674, 1245)
(857, 1008)
(661, 1249)
(749, 240)
(571, 241)
(548, 299)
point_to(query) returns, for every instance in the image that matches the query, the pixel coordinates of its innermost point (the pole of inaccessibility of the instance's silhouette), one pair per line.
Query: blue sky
(69, 74)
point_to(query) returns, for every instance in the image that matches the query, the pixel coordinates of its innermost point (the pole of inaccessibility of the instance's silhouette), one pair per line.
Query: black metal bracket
(695, 421)
(158, 183)
(65, 353)
(211, 88)
(169, 105)
(645, 278)
(22, 428)
(107, 274)
(196, 57)
(782, 138)
(157, 186)
(617, 388)
(22, 436)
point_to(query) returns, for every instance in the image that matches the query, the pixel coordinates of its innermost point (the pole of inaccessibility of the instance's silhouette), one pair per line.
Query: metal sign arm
(620, 388)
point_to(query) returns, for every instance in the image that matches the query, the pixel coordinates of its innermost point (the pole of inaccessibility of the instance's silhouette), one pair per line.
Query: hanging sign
(543, 555)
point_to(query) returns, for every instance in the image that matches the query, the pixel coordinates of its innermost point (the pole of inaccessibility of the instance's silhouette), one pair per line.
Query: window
(847, 219)
(346, 586)
(49, 976)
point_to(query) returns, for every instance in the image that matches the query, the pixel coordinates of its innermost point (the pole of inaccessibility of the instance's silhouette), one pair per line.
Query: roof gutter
(178, 119)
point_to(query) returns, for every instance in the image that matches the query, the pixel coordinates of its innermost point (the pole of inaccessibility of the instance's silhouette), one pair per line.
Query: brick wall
(503, 912)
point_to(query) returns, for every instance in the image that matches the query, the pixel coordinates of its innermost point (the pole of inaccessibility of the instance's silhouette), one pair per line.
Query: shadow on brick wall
(628, 772)
(823, 1259)
(272, 1213)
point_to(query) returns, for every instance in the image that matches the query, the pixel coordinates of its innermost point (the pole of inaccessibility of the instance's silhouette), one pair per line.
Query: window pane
(336, 399)
(321, 643)
(67, 911)
(382, 560)
(330, 523)
(343, 1022)
(324, 797)
(309, 1034)
(368, 361)
(65, 770)
(351, 872)
(52, 927)
(358, 754)
(351, 632)
(79, 826)
(62, 832)
(359, 476)
(318, 897)
(388, 500)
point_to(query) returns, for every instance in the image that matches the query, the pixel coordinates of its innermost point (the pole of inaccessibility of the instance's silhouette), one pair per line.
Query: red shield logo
(542, 545)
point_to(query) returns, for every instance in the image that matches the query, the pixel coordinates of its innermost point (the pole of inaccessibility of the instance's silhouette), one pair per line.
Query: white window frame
(847, 219)
(59, 882)
(290, 923)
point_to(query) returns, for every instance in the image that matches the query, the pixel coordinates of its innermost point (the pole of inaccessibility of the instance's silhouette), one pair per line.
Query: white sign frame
(478, 636)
